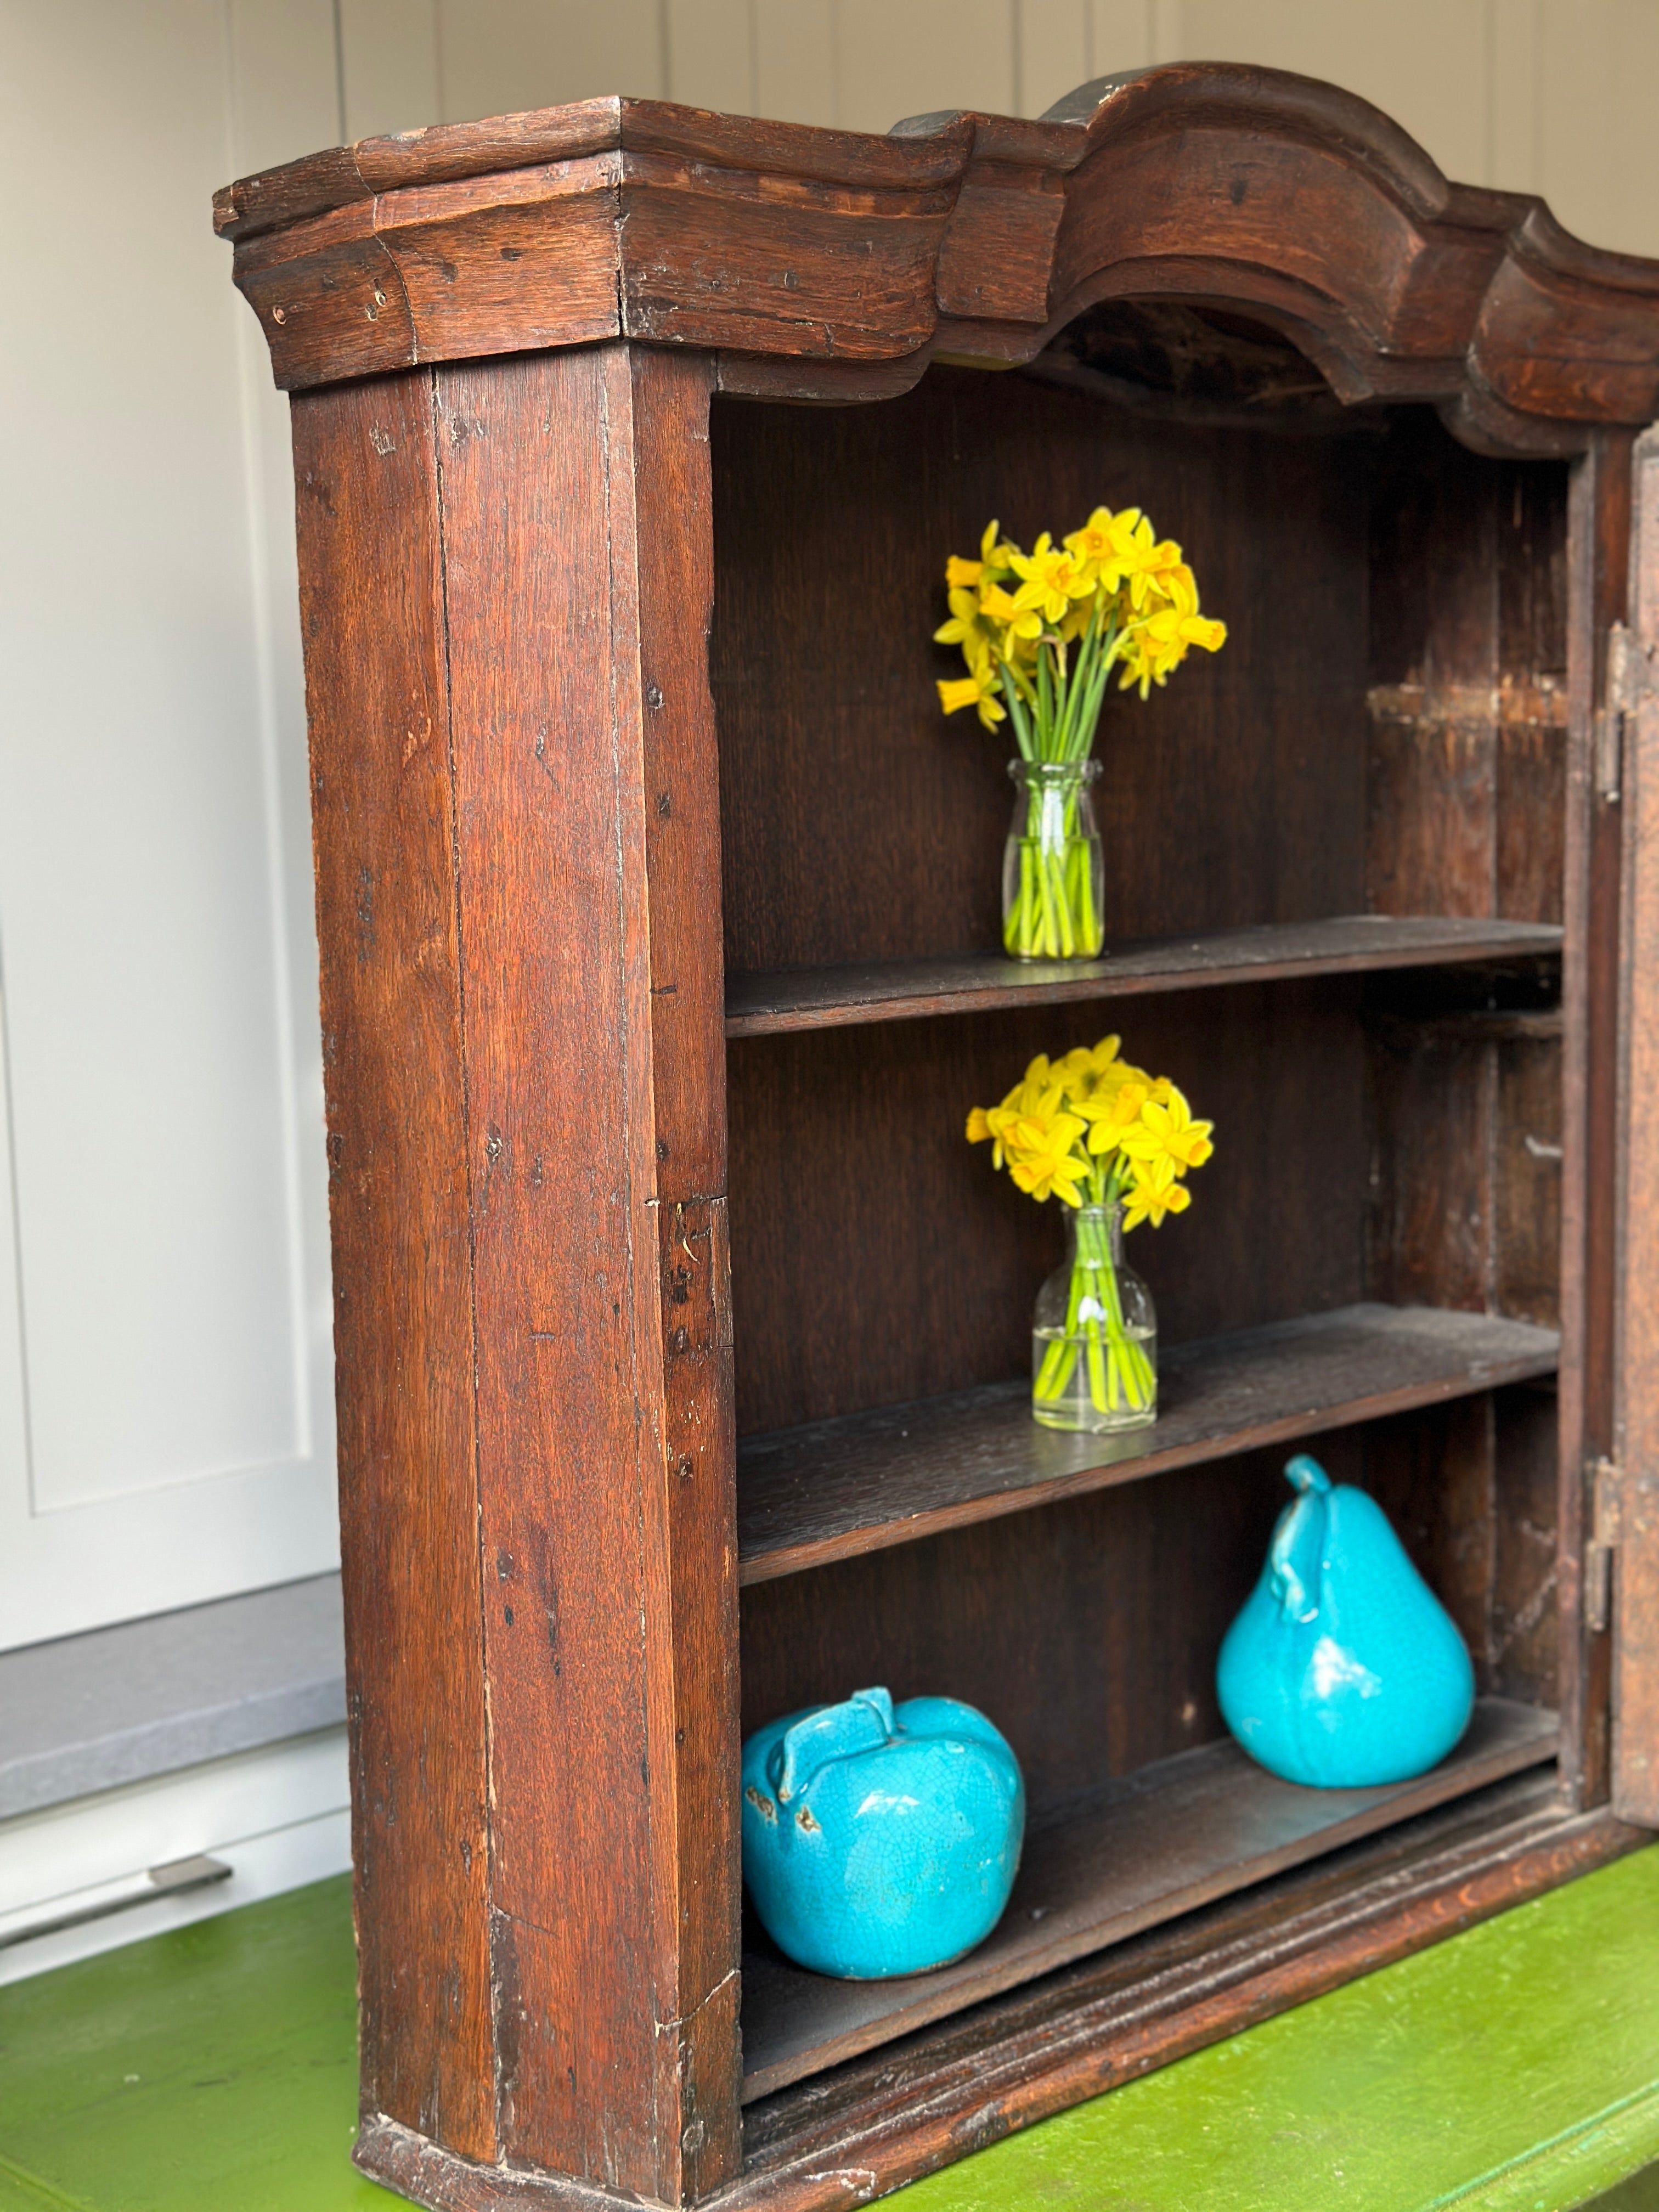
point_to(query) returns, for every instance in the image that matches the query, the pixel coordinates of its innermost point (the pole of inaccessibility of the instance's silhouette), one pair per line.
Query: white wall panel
(798, 61)
(499, 56)
(389, 68)
(1054, 51)
(1423, 62)
(169, 1356)
(1597, 152)
(713, 54)
(902, 58)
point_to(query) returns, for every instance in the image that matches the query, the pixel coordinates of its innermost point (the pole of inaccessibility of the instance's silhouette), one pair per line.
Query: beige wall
(1551, 96)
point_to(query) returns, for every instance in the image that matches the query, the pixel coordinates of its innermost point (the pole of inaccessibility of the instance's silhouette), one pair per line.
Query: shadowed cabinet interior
(681, 1335)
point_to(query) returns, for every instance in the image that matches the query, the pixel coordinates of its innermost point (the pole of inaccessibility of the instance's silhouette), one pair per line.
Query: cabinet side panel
(372, 609)
(695, 1684)
(589, 1884)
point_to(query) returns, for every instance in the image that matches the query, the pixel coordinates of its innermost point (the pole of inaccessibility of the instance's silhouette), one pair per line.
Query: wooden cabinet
(679, 1332)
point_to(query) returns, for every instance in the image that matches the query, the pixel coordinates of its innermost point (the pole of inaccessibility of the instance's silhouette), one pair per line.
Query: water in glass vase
(1054, 874)
(1094, 1334)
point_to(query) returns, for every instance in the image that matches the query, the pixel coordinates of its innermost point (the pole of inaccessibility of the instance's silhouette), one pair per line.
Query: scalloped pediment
(826, 265)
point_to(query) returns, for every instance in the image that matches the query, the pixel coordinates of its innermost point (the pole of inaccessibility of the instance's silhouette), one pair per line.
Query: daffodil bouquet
(1114, 1145)
(1041, 634)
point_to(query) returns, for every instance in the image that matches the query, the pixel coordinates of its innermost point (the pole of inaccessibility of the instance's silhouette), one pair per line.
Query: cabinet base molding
(871, 2126)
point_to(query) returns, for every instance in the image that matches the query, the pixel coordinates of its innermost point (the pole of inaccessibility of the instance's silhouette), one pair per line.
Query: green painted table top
(1515, 2068)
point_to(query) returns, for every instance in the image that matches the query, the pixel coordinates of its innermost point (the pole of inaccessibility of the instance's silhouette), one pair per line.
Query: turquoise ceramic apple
(879, 1841)
(1344, 1669)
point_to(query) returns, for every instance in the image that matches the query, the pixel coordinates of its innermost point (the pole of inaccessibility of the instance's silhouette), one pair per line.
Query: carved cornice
(829, 265)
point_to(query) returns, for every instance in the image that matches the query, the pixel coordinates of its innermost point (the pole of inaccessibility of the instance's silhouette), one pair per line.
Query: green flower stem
(1019, 717)
(1053, 914)
(1120, 1373)
(1053, 711)
(1055, 715)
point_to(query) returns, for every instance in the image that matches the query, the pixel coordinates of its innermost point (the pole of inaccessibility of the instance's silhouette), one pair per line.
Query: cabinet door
(1627, 1495)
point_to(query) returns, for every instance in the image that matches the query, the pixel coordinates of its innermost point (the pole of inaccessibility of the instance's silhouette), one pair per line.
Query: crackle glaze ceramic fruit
(1343, 1670)
(879, 1841)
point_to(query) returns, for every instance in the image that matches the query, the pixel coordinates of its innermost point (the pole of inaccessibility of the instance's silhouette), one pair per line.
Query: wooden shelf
(809, 1495)
(1117, 1860)
(761, 1004)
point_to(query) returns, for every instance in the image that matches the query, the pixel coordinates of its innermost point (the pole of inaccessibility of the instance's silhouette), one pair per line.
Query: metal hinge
(1607, 1510)
(1630, 682)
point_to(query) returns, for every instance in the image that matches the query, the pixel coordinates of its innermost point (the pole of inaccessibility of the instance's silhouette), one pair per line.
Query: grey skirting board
(85, 1713)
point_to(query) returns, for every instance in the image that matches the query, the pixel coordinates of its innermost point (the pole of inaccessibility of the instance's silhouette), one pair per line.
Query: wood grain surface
(549, 1931)
(832, 1489)
(1635, 1563)
(612, 1883)
(1173, 1837)
(902, 990)
(1595, 967)
(966, 236)
(366, 475)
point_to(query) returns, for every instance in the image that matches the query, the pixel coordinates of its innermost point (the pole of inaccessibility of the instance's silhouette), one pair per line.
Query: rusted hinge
(1606, 1494)
(1630, 682)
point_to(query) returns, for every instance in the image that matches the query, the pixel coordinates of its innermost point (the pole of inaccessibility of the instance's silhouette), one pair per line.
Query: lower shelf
(1140, 1851)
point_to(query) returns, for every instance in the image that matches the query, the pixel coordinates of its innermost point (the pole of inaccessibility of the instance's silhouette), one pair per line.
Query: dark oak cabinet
(680, 1335)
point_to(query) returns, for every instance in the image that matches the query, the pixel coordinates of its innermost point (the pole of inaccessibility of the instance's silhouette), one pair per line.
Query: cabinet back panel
(1468, 773)
(1087, 1630)
(876, 1256)
(859, 824)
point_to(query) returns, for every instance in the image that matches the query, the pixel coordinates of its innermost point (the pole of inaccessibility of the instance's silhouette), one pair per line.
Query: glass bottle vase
(1053, 875)
(1094, 1334)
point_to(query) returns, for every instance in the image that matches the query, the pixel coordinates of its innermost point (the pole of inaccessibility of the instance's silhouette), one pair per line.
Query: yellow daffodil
(1005, 610)
(1094, 541)
(1137, 558)
(968, 628)
(1093, 1130)
(977, 689)
(964, 574)
(1140, 664)
(1084, 1067)
(1037, 1095)
(1054, 577)
(1111, 1117)
(1168, 1132)
(1153, 1193)
(1037, 1092)
(1042, 1158)
(1179, 625)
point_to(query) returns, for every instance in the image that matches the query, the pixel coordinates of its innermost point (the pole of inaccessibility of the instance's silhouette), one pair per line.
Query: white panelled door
(166, 1394)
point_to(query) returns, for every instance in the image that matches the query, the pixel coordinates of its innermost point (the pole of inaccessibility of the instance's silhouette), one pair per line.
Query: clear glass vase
(1094, 1335)
(1053, 876)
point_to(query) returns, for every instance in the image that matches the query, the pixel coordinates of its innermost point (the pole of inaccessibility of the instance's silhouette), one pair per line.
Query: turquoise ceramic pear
(879, 1841)
(1344, 1669)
